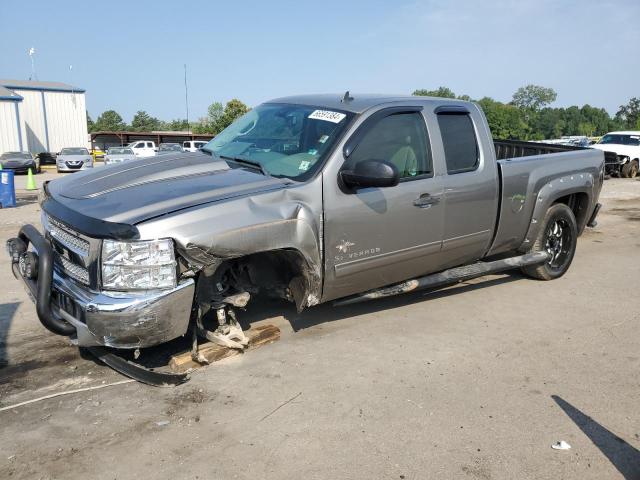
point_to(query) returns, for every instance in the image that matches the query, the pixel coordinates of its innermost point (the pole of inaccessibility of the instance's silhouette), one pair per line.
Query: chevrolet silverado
(311, 198)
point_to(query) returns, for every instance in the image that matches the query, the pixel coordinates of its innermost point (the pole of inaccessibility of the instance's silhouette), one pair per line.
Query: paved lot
(474, 382)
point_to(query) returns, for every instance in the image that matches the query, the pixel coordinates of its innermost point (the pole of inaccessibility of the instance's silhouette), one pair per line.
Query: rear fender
(554, 190)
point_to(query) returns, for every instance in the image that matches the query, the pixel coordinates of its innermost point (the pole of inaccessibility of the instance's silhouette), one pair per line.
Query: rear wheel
(558, 237)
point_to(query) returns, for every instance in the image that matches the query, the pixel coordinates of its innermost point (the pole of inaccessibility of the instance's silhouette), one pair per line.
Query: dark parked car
(47, 158)
(170, 148)
(19, 162)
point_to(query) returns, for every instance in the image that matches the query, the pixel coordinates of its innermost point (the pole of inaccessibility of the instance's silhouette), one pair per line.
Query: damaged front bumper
(112, 319)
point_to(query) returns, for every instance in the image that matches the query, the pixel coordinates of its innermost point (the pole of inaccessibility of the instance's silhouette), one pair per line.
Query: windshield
(286, 140)
(621, 139)
(173, 147)
(119, 151)
(74, 151)
(7, 155)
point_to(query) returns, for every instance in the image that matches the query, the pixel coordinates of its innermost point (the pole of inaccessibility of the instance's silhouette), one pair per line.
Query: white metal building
(41, 116)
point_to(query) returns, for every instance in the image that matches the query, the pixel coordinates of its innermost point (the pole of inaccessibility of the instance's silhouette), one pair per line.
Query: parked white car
(193, 145)
(143, 148)
(626, 145)
(118, 155)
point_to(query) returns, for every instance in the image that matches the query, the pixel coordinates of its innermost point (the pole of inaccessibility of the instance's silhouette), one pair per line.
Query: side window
(401, 139)
(149, 145)
(459, 141)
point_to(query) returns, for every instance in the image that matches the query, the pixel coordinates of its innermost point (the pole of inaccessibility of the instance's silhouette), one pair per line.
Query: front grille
(74, 271)
(75, 254)
(67, 237)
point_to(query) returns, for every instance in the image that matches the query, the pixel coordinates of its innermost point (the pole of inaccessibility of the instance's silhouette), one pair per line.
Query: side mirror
(371, 173)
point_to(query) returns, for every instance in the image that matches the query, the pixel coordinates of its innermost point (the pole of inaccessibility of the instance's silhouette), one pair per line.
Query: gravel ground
(472, 382)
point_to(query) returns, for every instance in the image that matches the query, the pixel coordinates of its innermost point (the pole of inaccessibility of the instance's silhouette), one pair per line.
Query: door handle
(426, 200)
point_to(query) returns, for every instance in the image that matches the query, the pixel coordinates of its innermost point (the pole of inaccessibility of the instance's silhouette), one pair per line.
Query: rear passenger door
(470, 185)
(378, 236)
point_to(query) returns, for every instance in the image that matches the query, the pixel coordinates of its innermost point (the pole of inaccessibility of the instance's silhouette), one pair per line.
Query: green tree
(533, 97)
(109, 121)
(143, 122)
(629, 115)
(90, 123)
(232, 110)
(505, 121)
(202, 126)
(215, 112)
(443, 92)
(176, 125)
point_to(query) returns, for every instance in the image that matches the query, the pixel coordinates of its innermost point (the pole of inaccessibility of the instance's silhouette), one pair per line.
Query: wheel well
(277, 273)
(579, 204)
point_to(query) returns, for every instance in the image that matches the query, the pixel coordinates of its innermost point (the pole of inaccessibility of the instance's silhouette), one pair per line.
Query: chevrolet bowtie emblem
(344, 245)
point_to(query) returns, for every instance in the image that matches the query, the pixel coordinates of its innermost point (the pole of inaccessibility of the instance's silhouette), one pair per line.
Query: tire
(558, 236)
(631, 169)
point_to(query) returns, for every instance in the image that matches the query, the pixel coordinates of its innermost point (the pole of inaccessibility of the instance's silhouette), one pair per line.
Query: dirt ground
(472, 382)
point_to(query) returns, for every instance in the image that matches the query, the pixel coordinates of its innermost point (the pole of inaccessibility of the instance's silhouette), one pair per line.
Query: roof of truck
(358, 102)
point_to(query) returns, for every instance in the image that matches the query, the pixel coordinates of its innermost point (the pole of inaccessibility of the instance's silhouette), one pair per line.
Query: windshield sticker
(304, 165)
(327, 115)
(323, 138)
(312, 151)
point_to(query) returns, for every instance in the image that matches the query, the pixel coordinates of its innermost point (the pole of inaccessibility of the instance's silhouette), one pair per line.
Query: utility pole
(186, 98)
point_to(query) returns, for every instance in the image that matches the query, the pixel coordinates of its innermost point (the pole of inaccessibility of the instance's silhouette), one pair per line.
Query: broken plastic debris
(561, 445)
(162, 423)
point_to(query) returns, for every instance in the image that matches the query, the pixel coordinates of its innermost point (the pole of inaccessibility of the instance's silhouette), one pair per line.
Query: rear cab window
(459, 141)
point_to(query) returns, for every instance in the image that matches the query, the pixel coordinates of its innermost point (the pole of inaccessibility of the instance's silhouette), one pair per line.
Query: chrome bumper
(112, 319)
(124, 320)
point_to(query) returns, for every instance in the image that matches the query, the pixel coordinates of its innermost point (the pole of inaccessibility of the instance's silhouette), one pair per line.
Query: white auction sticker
(327, 115)
(5, 178)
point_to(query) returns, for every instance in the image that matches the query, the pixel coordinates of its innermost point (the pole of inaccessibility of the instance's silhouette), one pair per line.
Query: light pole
(34, 76)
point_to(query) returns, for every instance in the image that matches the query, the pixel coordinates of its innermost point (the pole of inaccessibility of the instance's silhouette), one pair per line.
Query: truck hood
(134, 191)
(626, 150)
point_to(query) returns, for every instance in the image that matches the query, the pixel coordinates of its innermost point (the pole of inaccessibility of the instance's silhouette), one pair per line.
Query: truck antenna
(346, 98)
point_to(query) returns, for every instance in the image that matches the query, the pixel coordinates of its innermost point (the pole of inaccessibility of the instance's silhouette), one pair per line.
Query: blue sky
(129, 56)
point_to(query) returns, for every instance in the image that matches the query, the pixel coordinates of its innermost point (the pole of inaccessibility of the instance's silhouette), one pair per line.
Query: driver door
(379, 236)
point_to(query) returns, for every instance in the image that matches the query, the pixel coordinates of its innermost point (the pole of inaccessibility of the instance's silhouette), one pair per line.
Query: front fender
(280, 220)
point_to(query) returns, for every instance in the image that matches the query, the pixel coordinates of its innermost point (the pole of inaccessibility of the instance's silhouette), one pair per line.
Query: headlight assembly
(143, 265)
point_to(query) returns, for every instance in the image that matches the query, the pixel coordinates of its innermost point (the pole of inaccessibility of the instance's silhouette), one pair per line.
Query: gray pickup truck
(311, 198)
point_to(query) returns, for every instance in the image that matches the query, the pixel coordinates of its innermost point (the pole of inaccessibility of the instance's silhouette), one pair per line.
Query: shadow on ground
(623, 456)
(7, 312)
(263, 309)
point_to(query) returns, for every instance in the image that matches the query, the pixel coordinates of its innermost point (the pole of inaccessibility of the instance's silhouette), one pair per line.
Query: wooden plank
(213, 352)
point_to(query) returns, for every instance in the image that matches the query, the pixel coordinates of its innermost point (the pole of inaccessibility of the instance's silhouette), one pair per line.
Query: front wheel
(558, 237)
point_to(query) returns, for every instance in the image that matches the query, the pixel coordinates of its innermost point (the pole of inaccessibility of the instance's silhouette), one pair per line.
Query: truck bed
(506, 149)
(533, 176)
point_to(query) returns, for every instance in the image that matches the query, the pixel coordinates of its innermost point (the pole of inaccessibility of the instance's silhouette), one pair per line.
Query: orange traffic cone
(31, 182)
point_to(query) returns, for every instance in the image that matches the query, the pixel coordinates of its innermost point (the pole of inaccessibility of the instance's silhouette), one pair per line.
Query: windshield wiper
(243, 161)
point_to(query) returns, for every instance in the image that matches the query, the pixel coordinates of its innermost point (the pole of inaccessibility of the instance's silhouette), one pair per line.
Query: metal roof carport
(104, 139)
